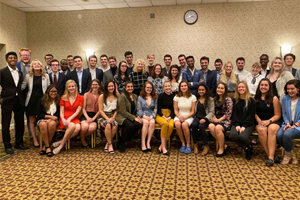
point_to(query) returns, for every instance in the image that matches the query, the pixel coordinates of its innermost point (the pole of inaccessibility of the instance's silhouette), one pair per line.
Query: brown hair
(143, 93)
(97, 81)
(180, 94)
(153, 75)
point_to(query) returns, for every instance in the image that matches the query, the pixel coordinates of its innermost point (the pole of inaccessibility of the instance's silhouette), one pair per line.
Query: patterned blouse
(226, 111)
(158, 84)
(138, 79)
(144, 109)
(175, 85)
(121, 85)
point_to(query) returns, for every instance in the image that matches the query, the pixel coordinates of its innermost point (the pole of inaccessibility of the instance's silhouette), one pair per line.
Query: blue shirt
(144, 109)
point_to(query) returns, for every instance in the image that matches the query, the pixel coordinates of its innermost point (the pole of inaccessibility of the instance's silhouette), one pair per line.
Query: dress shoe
(9, 151)
(21, 146)
(166, 153)
(222, 154)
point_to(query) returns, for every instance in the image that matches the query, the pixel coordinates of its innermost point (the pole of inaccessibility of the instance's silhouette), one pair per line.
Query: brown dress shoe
(196, 148)
(205, 150)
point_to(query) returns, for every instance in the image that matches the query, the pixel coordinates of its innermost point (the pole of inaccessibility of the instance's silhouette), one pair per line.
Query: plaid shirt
(138, 79)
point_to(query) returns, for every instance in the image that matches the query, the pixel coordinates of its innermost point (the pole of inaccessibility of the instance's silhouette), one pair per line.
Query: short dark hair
(190, 57)
(48, 55)
(54, 60)
(11, 53)
(127, 53)
(69, 56)
(75, 57)
(240, 58)
(103, 55)
(289, 54)
(264, 55)
(64, 60)
(294, 82)
(181, 56)
(92, 56)
(168, 55)
(218, 60)
(204, 58)
(112, 57)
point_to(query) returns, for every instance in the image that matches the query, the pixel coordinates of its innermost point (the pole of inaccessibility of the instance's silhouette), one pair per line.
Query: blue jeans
(285, 138)
(195, 126)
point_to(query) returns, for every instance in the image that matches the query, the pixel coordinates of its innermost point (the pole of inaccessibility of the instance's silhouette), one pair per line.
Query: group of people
(134, 97)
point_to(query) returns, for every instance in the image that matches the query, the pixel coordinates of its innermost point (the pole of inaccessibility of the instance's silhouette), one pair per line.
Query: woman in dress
(146, 109)
(268, 118)
(230, 78)
(165, 116)
(127, 116)
(90, 112)
(220, 123)
(71, 104)
(139, 76)
(175, 78)
(108, 103)
(290, 128)
(121, 77)
(279, 77)
(204, 111)
(157, 78)
(47, 117)
(184, 108)
(243, 118)
(37, 81)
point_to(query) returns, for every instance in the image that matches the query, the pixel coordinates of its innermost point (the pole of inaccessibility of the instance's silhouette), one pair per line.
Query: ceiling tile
(96, 6)
(71, 7)
(116, 5)
(214, 1)
(139, 4)
(16, 4)
(112, 1)
(37, 3)
(89, 2)
(53, 8)
(61, 2)
(30, 9)
(163, 2)
(188, 1)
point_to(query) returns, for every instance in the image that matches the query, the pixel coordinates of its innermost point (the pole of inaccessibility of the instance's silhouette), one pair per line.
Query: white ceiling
(67, 5)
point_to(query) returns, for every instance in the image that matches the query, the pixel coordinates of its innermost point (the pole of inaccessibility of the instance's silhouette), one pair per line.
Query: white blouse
(52, 109)
(110, 106)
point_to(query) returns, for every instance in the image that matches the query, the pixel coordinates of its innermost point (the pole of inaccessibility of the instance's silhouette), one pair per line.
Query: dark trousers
(7, 109)
(129, 129)
(195, 126)
(241, 139)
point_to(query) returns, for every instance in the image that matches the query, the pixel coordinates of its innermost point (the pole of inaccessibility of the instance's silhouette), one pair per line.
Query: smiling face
(25, 57)
(123, 67)
(183, 87)
(241, 88)
(95, 86)
(104, 61)
(167, 87)
(93, 63)
(240, 65)
(70, 61)
(218, 66)
(111, 87)
(140, 66)
(221, 90)
(255, 70)
(128, 59)
(182, 61)
(71, 88)
(174, 72)
(151, 60)
(36, 66)
(190, 62)
(64, 65)
(12, 60)
(78, 63)
(53, 93)
(264, 87)
(157, 70)
(201, 90)
(289, 61)
(54, 67)
(277, 65)
(129, 88)
(148, 89)
(228, 68)
(204, 65)
(292, 90)
(112, 63)
(168, 61)
(264, 61)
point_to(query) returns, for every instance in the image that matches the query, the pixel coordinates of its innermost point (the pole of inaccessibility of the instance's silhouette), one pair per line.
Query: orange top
(91, 102)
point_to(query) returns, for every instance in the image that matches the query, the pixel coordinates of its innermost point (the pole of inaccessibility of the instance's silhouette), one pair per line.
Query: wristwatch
(270, 121)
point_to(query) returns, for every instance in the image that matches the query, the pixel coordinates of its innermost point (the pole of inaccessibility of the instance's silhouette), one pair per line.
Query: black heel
(49, 154)
(222, 154)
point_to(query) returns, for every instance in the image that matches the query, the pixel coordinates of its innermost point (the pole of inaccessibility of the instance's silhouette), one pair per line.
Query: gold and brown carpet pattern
(92, 174)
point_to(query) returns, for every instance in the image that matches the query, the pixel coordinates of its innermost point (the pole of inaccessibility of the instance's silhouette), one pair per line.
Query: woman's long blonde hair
(43, 70)
(144, 70)
(66, 95)
(272, 69)
(247, 93)
(224, 76)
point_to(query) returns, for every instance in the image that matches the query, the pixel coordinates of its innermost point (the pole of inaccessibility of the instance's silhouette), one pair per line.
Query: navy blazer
(211, 81)
(61, 83)
(86, 80)
(287, 113)
(187, 76)
(99, 74)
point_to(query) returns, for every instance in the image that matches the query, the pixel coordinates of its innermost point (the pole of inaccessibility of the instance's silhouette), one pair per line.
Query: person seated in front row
(108, 103)
(184, 108)
(146, 109)
(47, 117)
(127, 116)
(268, 118)
(220, 123)
(71, 104)
(290, 128)
(165, 116)
(243, 117)
(90, 112)
(205, 109)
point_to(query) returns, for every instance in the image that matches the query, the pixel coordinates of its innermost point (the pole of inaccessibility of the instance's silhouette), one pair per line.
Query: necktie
(55, 80)
(253, 80)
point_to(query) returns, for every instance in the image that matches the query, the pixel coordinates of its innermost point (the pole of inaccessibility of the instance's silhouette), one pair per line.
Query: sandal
(56, 151)
(294, 158)
(43, 152)
(287, 158)
(205, 150)
(196, 151)
(49, 154)
(56, 144)
(112, 151)
(106, 150)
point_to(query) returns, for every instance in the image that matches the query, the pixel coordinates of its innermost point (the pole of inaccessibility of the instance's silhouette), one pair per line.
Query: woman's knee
(272, 129)
(152, 123)
(84, 126)
(108, 126)
(185, 125)
(43, 126)
(177, 124)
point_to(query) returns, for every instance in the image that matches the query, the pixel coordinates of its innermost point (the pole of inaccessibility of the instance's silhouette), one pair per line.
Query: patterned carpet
(92, 174)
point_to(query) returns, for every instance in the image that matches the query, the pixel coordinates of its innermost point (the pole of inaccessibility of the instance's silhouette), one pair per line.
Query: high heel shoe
(287, 158)
(222, 154)
(159, 151)
(166, 153)
(294, 158)
(144, 150)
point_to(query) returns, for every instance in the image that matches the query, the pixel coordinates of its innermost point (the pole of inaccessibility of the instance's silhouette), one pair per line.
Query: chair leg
(92, 140)
(69, 145)
(192, 143)
(282, 151)
(217, 145)
(41, 142)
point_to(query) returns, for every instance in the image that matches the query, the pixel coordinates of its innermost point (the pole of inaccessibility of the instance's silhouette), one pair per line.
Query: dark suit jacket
(294, 71)
(61, 83)
(86, 80)
(9, 88)
(187, 76)
(99, 74)
(108, 76)
(211, 81)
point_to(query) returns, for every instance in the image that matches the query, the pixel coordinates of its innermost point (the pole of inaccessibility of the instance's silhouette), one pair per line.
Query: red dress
(70, 110)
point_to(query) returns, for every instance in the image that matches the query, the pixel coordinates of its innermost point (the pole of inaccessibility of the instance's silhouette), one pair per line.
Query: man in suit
(210, 77)
(109, 74)
(57, 78)
(93, 70)
(104, 63)
(64, 66)
(265, 69)
(168, 63)
(12, 100)
(24, 64)
(289, 60)
(48, 58)
(182, 62)
(81, 77)
(129, 57)
(218, 69)
(70, 62)
(193, 76)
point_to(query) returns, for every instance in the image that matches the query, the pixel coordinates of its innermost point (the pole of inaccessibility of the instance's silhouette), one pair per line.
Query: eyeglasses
(55, 65)
(26, 55)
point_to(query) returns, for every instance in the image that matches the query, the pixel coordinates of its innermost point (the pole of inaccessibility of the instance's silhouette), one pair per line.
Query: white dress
(185, 106)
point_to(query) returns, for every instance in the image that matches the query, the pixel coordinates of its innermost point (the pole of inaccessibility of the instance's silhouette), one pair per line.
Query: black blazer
(294, 71)
(61, 82)
(86, 80)
(211, 81)
(9, 88)
(41, 112)
(99, 74)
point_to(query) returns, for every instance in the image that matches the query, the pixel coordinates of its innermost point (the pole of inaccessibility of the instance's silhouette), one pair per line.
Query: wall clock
(190, 17)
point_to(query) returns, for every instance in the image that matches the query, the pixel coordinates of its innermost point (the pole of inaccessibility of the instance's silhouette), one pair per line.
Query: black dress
(266, 111)
(36, 94)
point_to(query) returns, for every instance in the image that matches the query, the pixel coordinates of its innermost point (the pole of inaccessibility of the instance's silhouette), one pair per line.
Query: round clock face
(190, 17)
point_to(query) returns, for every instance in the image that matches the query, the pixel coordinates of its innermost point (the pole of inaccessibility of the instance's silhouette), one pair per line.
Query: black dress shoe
(159, 151)
(166, 153)
(9, 151)
(149, 149)
(144, 150)
(21, 146)
(248, 151)
(221, 154)
(277, 159)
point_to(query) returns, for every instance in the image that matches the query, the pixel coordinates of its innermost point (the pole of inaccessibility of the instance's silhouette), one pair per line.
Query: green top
(124, 111)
